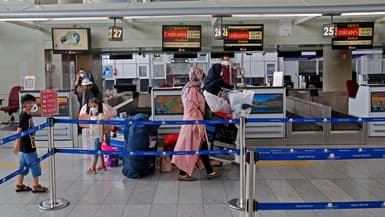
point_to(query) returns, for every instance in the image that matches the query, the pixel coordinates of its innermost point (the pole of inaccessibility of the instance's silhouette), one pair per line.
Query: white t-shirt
(95, 128)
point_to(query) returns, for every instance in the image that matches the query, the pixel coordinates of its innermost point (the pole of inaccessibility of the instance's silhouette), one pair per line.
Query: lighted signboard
(244, 37)
(353, 35)
(181, 38)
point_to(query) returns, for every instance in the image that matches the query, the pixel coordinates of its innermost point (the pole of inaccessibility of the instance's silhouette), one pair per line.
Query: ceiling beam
(304, 19)
(28, 25)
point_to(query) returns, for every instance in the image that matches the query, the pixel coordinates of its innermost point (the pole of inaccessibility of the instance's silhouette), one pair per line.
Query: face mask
(34, 108)
(81, 75)
(93, 111)
(225, 62)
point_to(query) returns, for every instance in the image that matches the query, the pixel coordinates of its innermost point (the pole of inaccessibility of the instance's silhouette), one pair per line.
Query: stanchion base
(234, 204)
(47, 205)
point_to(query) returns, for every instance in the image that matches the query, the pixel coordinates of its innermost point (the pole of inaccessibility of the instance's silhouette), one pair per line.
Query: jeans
(97, 147)
(27, 158)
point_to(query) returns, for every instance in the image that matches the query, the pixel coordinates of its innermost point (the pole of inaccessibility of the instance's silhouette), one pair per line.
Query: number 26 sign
(115, 33)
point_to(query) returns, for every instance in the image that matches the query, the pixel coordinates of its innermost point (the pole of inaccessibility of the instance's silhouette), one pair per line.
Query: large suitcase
(139, 138)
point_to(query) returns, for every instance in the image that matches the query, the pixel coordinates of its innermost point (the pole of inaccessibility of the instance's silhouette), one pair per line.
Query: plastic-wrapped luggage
(139, 138)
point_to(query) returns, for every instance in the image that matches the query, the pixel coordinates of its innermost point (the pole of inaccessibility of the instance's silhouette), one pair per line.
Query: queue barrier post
(52, 203)
(251, 159)
(239, 203)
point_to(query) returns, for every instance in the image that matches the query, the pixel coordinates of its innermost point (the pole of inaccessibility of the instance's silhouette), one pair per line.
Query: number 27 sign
(115, 33)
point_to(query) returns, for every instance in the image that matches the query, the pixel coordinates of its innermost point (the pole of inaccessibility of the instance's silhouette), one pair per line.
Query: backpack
(139, 138)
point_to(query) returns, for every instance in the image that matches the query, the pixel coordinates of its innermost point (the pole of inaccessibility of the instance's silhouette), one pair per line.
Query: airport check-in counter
(62, 132)
(268, 102)
(369, 102)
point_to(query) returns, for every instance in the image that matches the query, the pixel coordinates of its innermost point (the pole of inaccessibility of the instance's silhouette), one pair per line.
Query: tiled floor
(161, 195)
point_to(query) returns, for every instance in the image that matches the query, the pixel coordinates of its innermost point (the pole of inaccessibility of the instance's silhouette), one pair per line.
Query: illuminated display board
(353, 35)
(181, 38)
(244, 37)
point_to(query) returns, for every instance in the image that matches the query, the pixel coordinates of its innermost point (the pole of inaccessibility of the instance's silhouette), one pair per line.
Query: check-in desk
(369, 102)
(62, 132)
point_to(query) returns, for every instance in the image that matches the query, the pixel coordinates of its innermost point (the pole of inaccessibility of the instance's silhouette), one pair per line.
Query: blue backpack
(139, 138)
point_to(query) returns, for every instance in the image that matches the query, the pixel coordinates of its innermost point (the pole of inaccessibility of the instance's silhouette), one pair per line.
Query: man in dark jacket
(213, 85)
(214, 82)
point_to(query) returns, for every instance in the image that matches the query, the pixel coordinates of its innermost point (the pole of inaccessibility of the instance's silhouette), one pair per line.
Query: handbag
(165, 164)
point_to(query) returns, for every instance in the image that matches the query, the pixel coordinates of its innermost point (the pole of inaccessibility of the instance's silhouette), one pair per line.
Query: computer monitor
(166, 104)
(267, 103)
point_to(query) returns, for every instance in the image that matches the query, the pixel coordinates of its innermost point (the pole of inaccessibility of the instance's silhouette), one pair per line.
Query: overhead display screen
(244, 37)
(353, 35)
(181, 38)
(74, 40)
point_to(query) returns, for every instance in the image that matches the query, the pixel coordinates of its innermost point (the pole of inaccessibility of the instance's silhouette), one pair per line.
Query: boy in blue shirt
(27, 148)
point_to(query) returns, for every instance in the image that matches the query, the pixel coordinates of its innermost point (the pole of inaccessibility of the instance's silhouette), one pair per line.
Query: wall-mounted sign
(244, 38)
(74, 40)
(115, 33)
(29, 82)
(181, 38)
(220, 32)
(353, 35)
(328, 30)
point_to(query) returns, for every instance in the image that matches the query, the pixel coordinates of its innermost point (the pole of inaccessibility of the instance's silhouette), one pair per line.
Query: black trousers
(205, 159)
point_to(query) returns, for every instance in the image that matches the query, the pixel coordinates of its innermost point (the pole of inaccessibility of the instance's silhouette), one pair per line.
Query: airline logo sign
(353, 35)
(244, 38)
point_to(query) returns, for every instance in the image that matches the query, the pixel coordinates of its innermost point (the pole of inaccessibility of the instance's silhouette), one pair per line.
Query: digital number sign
(353, 35)
(328, 30)
(181, 38)
(244, 37)
(115, 33)
(220, 32)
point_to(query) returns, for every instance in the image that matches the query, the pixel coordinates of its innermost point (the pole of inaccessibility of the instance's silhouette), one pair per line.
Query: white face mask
(34, 108)
(93, 111)
(225, 62)
(81, 75)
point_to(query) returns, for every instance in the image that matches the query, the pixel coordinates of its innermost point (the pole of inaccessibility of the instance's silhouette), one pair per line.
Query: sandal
(214, 175)
(186, 178)
(91, 171)
(22, 188)
(100, 168)
(39, 189)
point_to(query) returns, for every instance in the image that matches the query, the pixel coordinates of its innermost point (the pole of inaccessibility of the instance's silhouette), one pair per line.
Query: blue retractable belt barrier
(322, 156)
(320, 205)
(154, 123)
(249, 120)
(33, 163)
(147, 153)
(26, 132)
(317, 150)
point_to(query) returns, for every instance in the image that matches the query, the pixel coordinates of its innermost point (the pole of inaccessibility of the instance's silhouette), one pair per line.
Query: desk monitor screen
(264, 103)
(377, 102)
(168, 105)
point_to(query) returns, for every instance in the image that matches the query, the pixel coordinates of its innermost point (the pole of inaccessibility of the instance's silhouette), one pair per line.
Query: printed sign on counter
(49, 102)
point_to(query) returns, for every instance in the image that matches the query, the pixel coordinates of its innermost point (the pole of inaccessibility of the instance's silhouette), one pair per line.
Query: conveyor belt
(318, 127)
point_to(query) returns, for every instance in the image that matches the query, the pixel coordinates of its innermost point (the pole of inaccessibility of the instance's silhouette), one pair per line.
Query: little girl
(95, 110)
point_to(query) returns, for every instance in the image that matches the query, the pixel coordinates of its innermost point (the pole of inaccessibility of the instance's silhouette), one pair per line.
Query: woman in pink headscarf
(193, 137)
